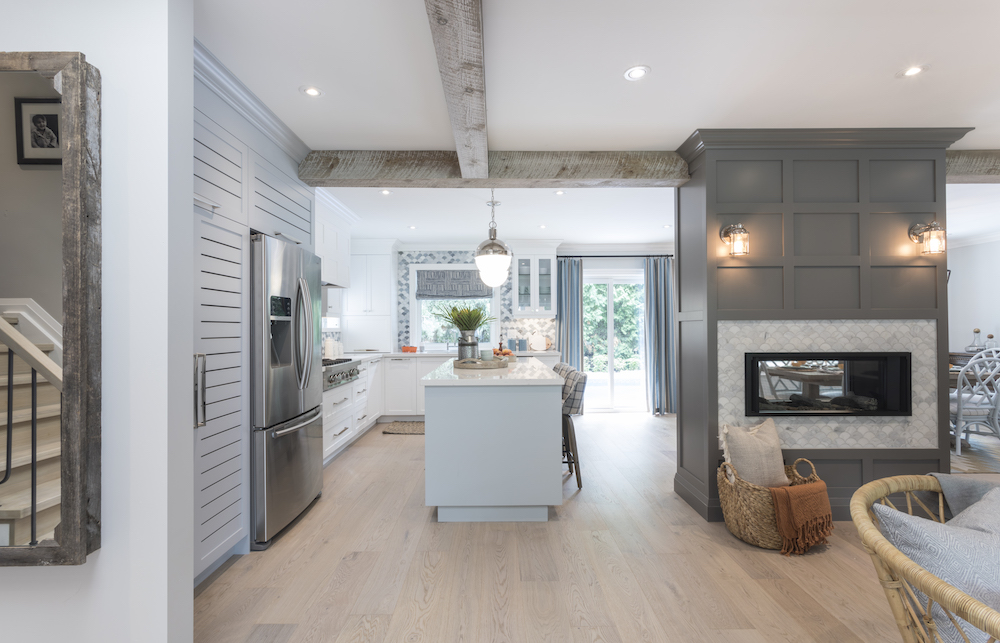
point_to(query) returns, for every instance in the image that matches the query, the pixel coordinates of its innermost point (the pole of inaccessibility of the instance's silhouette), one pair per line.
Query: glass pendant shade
(737, 238)
(934, 242)
(741, 243)
(493, 255)
(931, 237)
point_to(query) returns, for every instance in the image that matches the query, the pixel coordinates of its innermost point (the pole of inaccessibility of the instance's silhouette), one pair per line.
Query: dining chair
(973, 405)
(573, 405)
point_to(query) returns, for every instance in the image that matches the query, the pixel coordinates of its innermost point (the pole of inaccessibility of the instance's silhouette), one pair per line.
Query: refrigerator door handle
(298, 353)
(304, 423)
(310, 344)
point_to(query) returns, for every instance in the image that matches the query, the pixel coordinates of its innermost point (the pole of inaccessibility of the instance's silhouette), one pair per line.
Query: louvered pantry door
(222, 291)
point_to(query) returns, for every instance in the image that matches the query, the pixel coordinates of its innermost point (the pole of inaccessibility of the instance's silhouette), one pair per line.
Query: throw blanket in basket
(804, 516)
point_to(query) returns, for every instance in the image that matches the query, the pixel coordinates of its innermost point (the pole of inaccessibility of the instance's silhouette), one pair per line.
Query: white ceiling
(461, 216)
(554, 82)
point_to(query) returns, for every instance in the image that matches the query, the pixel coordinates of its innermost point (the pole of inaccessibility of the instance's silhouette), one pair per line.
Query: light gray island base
(493, 443)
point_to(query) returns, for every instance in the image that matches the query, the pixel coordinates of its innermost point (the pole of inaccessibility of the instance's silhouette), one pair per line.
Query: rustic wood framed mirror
(64, 536)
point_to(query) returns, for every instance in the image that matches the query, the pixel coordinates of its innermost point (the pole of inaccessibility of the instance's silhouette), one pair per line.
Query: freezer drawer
(287, 472)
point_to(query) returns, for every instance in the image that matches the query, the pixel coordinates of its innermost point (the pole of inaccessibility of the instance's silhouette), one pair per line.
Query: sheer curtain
(661, 368)
(569, 310)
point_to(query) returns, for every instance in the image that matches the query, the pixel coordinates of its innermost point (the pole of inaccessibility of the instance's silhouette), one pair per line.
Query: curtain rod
(610, 256)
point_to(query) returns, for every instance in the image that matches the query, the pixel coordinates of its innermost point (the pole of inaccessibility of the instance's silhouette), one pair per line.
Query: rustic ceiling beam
(46, 63)
(437, 169)
(973, 166)
(457, 28)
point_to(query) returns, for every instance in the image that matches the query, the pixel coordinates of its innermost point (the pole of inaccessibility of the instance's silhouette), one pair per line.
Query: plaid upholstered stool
(576, 382)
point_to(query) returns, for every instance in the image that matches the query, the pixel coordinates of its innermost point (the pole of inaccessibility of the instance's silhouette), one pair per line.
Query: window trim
(415, 317)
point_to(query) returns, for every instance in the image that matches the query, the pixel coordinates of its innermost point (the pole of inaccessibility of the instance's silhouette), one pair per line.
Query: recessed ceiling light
(542, 227)
(909, 72)
(309, 90)
(413, 227)
(560, 192)
(636, 73)
(668, 226)
(386, 192)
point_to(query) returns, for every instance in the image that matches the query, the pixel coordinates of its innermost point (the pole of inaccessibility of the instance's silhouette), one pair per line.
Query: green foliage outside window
(435, 330)
(628, 311)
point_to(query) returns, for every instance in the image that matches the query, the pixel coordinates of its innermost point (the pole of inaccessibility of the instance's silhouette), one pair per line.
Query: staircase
(15, 493)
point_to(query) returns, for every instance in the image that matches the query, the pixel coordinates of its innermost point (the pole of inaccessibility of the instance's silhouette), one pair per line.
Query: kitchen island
(493, 445)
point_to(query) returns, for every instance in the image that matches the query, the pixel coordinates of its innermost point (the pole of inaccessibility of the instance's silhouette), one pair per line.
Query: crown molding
(769, 139)
(972, 241)
(618, 249)
(210, 70)
(348, 215)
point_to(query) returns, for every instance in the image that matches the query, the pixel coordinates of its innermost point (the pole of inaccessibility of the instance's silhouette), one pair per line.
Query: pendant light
(493, 255)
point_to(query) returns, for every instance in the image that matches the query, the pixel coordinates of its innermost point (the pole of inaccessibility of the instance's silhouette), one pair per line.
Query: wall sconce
(737, 238)
(930, 235)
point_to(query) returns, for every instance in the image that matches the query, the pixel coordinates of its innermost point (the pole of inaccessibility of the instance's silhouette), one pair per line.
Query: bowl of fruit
(504, 353)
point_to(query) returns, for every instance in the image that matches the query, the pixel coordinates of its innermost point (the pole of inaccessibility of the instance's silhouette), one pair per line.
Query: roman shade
(451, 284)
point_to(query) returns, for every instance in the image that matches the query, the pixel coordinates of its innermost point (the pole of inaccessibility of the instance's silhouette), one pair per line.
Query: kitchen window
(428, 331)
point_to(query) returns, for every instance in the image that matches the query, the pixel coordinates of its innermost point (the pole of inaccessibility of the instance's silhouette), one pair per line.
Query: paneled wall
(828, 214)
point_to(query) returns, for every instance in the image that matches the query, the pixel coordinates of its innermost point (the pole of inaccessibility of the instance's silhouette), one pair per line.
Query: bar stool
(573, 405)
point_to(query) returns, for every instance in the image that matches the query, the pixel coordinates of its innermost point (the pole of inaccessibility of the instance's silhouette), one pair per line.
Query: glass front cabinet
(535, 283)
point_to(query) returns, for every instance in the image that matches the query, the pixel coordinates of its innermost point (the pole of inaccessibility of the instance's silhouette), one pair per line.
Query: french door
(613, 339)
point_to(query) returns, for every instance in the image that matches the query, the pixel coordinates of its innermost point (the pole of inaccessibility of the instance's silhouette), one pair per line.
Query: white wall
(973, 301)
(30, 208)
(137, 588)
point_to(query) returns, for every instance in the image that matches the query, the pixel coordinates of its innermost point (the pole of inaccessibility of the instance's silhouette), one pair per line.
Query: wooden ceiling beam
(973, 166)
(457, 28)
(441, 169)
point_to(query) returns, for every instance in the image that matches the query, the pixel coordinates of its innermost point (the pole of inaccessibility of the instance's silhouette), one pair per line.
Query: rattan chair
(899, 575)
(973, 406)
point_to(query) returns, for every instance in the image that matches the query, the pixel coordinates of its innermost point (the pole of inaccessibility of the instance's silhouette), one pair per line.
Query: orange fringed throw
(804, 516)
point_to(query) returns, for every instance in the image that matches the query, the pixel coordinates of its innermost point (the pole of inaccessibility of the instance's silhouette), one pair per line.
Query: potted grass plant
(467, 320)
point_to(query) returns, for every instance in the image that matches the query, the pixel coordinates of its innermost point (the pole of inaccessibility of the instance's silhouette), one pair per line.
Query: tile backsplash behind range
(509, 327)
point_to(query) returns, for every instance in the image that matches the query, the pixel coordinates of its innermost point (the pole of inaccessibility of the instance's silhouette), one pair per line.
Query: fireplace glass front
(828, 384)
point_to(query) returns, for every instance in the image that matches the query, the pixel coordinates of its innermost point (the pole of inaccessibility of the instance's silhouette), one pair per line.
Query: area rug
(982, 455)
(404, 428)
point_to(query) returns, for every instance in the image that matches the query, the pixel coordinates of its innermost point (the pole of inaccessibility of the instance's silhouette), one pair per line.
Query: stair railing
(39, 363)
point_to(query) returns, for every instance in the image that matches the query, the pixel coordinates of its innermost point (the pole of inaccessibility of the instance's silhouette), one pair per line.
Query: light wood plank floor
(623, 560)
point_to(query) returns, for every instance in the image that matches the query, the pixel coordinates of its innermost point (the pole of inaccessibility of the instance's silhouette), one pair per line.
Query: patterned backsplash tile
(509, 327)
(915, 336)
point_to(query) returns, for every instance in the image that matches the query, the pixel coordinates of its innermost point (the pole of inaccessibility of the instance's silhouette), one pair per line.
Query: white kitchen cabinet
(333, 245)
(535, 285)
(548, 360)
(375, 388)
(333, 302)
(400, 385)
(424, 366)
(338, 418)
(369, 293)
(220, 170)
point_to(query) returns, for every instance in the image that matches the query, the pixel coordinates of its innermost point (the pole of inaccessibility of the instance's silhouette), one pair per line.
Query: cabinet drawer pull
(399, 359)
(340, 402)
(341, 432)
(362, 417)
(362, 391)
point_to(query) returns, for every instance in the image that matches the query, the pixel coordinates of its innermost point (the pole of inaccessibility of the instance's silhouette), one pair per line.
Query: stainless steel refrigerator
(287, 390)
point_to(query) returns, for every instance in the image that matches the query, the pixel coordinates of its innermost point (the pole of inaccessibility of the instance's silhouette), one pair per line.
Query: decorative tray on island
(480, 363)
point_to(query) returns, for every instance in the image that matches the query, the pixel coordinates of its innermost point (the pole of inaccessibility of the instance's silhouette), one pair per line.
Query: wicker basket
(749, 508)
(913, 617)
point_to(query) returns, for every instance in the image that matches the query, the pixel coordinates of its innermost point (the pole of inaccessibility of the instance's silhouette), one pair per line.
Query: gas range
(337, 372)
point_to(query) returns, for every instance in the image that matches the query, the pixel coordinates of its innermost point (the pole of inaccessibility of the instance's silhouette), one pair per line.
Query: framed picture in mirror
(38, 123)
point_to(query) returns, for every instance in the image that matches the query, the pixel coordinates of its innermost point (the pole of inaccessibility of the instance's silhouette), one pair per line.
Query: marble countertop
(441, 354)
(524, 372)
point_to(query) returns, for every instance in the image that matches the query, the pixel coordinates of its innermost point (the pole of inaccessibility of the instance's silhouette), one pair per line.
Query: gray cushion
(972, 405)
(755, 452)
(959, 554)
(573, 402)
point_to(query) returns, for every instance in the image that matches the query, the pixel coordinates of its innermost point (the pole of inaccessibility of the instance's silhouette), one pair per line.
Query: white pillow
(755, 452)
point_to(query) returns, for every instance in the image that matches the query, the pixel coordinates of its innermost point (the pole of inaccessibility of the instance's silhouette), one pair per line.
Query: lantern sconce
(737, 238)
(930, 235)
